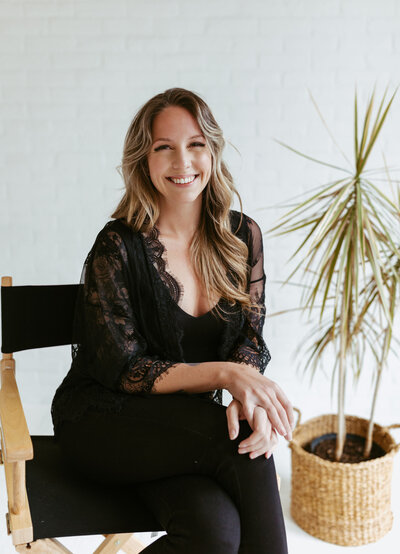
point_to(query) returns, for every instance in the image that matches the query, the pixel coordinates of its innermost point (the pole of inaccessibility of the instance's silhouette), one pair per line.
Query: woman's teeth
(183, 181)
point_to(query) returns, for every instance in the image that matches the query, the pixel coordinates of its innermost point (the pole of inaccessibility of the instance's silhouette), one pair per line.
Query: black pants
(209, 498)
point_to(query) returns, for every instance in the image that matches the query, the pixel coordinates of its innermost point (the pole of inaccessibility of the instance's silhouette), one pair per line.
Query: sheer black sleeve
(115, 350)
(251, 348)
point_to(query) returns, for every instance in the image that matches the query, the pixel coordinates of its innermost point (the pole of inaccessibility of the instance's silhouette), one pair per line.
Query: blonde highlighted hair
(215, 250)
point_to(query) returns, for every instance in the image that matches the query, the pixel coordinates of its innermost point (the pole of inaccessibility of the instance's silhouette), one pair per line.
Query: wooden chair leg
(43, 546)
(126, 542)
(133, 546)
(119, 541)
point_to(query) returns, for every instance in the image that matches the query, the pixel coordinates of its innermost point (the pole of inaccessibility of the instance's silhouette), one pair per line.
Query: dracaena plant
(350, 257)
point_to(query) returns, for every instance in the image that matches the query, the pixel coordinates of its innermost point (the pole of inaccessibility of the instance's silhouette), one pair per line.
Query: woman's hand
(234, 413)
(263, 440)
(252, 389)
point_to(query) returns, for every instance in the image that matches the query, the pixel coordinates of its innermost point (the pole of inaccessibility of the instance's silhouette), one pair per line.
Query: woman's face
(178, 153)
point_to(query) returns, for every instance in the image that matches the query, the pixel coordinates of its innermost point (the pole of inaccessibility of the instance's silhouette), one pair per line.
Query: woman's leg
(162, 436)
(198, 515)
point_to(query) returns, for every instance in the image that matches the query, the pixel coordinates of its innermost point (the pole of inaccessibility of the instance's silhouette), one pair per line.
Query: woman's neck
(179, 222)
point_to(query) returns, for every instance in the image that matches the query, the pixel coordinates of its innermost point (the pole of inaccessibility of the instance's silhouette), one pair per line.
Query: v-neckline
(190, 315)
(157, 256)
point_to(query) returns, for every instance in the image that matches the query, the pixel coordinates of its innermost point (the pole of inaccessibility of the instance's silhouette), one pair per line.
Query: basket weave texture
(341, 503)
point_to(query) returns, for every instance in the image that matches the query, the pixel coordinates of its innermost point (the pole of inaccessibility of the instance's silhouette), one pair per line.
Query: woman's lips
(182, 184)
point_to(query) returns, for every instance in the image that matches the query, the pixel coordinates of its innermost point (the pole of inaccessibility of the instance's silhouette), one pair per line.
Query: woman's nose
(181, 159)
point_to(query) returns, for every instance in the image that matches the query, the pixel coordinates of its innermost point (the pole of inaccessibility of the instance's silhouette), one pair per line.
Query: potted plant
(341, 481)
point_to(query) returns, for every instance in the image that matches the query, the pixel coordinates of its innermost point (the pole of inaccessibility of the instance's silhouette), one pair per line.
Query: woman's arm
(250, 348)
(244, 383)
(115, 352)
(193, 377)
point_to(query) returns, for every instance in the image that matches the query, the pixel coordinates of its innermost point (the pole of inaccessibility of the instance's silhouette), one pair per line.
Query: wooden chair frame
(16, 449)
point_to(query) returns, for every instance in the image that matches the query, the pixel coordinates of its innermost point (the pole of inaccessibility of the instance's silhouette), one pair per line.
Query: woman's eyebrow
(169, 140)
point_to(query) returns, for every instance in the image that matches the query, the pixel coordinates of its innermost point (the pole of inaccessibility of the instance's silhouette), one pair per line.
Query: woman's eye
(163, 146)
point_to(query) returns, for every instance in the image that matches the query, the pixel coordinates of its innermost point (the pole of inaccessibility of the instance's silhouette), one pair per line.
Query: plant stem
(341, 421)
(368, 442)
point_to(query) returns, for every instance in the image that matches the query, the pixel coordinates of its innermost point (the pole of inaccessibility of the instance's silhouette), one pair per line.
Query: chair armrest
(16, 440)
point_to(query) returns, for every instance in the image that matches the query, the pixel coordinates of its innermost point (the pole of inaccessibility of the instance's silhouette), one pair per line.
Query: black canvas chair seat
(65, 503)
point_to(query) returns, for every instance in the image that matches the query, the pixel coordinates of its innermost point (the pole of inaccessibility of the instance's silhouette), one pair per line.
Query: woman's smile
(183, 181)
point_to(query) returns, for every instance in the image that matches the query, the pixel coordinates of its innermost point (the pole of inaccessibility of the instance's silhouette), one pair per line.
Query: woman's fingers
(286, 429)
(259, 439)
(266, 447)
(279, 409)
(262, 443)
(256, 439)
(248, 411)
(262, 448)
(287, 407)
(273, 416)
(253, 389)
(274, 439)
(260, 452)
(232, 415)
(263, 439)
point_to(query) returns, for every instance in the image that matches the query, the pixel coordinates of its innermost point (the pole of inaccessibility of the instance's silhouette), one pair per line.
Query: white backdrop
(73, 73)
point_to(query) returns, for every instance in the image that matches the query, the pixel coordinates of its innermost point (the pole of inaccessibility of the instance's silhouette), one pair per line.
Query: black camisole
(201, 337)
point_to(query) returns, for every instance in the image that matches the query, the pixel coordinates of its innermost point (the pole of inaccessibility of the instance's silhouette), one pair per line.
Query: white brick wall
(73, 73)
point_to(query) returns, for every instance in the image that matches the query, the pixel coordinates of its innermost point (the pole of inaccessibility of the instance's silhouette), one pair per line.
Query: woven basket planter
(341, 503)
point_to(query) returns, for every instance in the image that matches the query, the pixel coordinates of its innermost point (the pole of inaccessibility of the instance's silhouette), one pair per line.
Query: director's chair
(46, 497)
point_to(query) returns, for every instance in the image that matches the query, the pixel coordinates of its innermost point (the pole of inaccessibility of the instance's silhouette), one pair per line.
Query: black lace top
(128, 326)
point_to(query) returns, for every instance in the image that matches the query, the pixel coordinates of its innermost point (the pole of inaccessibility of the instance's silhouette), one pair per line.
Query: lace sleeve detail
(115, 350)
(251, 348)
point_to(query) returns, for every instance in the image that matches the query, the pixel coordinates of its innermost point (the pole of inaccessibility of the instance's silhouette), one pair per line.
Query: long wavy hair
(215, 250)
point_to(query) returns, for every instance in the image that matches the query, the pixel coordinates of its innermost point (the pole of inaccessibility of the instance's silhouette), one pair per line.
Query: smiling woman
(171, 312)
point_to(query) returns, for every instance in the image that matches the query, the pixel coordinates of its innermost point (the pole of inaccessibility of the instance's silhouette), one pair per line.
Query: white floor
(299, 541)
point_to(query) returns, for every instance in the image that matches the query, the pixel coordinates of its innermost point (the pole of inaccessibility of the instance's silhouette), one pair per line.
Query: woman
(170, 313)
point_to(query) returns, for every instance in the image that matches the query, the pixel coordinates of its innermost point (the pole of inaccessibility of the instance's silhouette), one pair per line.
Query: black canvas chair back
(37, 316)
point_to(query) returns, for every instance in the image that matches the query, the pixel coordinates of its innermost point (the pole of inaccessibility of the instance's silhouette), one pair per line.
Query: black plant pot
(352, 440)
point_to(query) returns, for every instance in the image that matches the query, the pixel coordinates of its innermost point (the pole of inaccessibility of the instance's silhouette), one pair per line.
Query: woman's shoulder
(116, 238)
(116, 230)
(243, 224)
